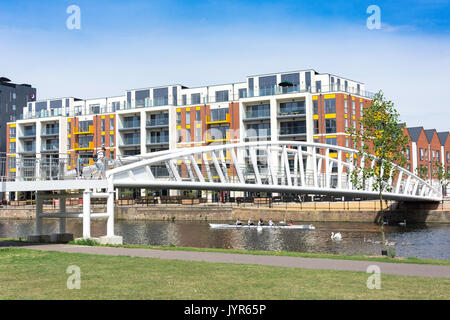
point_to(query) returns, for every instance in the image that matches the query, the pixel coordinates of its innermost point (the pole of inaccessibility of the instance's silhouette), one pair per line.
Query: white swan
(336, 236)
(402, 223)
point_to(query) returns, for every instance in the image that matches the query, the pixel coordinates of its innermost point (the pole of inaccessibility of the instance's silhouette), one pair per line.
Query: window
(12, 132)
(103, 140)
(183, 100)
(242, 93)
(316, 106)
(432, 155)
(447, 155)
(111, 140)
(111, 124)
(330, 105)
(219, 114)
(438, 156)
(408, 153)
(294, 107)
(332, 141)
(316, 126)
(345, 106)
(353, 107)
(222, 96)
(421, 154)
(330, 125)
(178, 118)
(346, 142)
(188, 118)
(197, 115)
(179, 136)
(198, 134)
(426, 154)
(12, 147)
(346, 124)
(195, 98)
(188, 135)
(360, 109)
(318, 86)
(103, 123)
(408, 167)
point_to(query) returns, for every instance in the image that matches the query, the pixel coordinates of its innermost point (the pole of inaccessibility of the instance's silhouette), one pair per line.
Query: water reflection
(424, 241)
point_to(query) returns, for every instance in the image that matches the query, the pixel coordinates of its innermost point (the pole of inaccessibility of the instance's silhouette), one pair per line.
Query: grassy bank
(284, 253)
(29, 274)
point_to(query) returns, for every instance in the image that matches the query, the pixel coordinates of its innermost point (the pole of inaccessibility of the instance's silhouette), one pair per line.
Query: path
(405, 269)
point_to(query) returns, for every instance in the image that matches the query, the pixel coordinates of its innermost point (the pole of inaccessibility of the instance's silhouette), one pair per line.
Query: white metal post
(39, 210)
(87, 214)
(62, 211)
(110, 211)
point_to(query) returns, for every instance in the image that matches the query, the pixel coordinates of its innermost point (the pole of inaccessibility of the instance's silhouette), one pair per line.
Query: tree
(442, 175)
(379, 140)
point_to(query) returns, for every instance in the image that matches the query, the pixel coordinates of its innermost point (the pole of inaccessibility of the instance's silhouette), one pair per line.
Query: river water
(431, 241)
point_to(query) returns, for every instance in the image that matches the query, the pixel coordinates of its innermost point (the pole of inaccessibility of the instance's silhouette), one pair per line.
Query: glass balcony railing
(156, 122)
(262, 113)
(50, 131)
(131, 124)
(293, 130)
(158, 140)
(130, 141)
(50, 148)
(292, 111)
(29, 132)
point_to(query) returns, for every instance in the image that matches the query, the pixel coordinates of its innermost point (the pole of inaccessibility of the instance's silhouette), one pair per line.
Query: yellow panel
(111, 116)
(329, 96)
(360, 100)
(315, 97)
(345, 96)
(103, 133)
(197, 108)
(188, 109)
(12, 155)
(111, 132)
(353, 117)
(103, 117)
(316, 116)
(178, 127)
(178, 109)
(353, 98)
(69, 120)
(188, 126)
(330, 136)
(330, 115)
(333, 155)
(12, 140)
(198, 125)
(69, 167)
(69, 136)
(12, 125)
(12, 170)
(345, 116)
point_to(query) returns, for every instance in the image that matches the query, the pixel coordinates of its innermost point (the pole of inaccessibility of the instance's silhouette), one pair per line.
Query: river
(430, 241)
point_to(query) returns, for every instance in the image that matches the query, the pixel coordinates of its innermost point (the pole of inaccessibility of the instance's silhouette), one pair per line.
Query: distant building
(13, 99)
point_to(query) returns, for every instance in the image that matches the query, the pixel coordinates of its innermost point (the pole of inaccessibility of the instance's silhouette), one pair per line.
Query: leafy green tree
(380, 140)
(442, 175)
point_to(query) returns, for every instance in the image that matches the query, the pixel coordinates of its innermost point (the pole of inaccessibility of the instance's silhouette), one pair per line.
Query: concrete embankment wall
(367, 211)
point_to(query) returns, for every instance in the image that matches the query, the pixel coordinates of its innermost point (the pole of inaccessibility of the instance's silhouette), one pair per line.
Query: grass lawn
(29, 274)
(281, 253)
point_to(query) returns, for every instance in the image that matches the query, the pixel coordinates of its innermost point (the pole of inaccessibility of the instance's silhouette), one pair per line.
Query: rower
(291, 223)
(250, 223)
(271, 222)
(260, 222)
(238, 222)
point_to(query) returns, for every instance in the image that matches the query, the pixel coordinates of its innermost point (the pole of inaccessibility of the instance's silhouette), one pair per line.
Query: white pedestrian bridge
(261, 166)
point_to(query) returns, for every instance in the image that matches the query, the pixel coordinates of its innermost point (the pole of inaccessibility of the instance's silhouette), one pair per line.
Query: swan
(386, 222)
(402, 223)
(336, 236)
(392, 243)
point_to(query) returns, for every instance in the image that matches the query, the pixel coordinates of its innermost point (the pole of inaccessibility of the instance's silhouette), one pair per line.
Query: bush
(391, 252)
(86, 242)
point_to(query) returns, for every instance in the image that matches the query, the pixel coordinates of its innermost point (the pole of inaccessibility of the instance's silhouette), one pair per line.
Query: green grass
(30, 274)
(289, 254)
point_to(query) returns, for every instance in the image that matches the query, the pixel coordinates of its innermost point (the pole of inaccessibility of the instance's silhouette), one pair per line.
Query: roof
(443, 136)
(414, 133)
(429, 133)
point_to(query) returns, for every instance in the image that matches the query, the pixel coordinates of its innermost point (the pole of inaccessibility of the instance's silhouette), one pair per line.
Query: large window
(188, 118)
(219, 114)
(316, 106)
(222, 96)
(12, 132)
(295, 107)
(132, 122)
(316, 126)
(293, 127)
(330, 125)
(111, 124)
(408, 153)
(178, 118)
(242, 93)
(330, 105)
(83, 126)
(258, 111)
(161, 96)
(195, 98)
(421, 154)
(12, 147)
(258, 130)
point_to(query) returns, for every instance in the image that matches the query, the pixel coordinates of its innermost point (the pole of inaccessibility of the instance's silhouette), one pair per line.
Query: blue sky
(134, 44)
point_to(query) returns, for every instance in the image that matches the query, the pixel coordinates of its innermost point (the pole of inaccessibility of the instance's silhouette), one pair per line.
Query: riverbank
(363, 211)
(124, 277)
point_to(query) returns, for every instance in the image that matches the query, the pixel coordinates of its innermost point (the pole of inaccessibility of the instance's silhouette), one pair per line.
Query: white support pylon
(87, 214)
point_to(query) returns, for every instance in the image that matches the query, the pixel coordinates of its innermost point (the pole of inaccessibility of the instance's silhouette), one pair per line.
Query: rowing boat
(233, 226)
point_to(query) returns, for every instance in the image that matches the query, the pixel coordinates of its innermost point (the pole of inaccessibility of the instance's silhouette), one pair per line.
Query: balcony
(28, 133)
(290, 110)
(157, 140)
(50, 148)
(292, 131)
(214, 119)
(50, 132)
(78, 131)
(158, 122)
(131, 141)
(263, 114)
(84, 146)
(131, 125)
